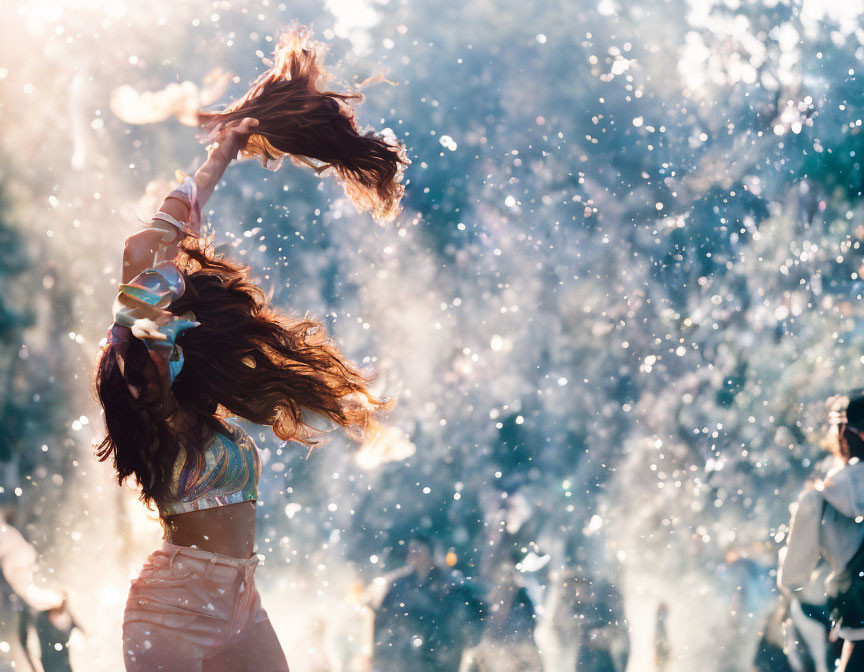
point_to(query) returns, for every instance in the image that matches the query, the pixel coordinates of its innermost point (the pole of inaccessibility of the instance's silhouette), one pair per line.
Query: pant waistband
(184, 558)
(172, 550)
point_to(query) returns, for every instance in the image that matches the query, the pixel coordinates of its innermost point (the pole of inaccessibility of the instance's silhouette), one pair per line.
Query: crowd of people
(803, 613)
(430, 617)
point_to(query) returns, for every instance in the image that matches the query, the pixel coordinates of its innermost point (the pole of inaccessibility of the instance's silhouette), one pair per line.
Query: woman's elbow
(139, 251)
(790, 584)
(794, 573)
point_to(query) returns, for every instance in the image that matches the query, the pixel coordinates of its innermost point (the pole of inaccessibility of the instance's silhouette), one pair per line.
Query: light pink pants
(194, 611)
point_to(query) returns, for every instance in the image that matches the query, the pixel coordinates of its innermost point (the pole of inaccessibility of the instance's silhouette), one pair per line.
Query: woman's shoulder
(223, 429)
(237, 433)
(811, 494)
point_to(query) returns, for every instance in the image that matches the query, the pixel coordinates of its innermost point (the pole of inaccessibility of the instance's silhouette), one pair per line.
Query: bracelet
(161, 218)
(188, 193)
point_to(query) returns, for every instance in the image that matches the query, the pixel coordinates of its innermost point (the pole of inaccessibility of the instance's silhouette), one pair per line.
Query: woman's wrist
(220, 155)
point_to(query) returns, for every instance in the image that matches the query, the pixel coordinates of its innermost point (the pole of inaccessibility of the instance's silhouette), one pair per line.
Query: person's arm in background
(141, 249)
(801, 555)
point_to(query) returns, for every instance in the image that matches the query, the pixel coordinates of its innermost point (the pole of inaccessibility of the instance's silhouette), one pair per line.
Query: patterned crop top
(227, 473)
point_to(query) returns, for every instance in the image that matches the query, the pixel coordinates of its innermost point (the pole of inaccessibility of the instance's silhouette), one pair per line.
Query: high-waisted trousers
(194, 611)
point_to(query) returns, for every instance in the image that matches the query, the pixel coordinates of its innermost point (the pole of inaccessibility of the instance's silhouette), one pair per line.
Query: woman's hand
(231, 140)
(235, 135)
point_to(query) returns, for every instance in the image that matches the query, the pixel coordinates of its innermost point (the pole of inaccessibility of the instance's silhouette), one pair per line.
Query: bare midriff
(227, 530)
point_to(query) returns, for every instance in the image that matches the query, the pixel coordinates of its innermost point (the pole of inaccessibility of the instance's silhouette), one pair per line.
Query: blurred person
(604, 641)
(44, 608)
(195, 342)
(587, 615)
(53, 628)
(827, 523)
(770, 654)
(508, 642)
(428, 615)
(807, 643)
(746, 578)
(583, 624)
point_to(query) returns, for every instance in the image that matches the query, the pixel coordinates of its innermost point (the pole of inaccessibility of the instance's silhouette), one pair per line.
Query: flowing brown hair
(244, 359)
(298, 120)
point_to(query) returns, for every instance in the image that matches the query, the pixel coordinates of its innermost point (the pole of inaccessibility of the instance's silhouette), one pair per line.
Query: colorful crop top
(226, 473)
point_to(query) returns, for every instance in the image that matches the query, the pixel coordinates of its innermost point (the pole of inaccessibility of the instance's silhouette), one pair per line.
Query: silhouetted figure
(428, 616)
(53, 629)
(604, 639)
(770, 656)
(42, 607)
(508, 642)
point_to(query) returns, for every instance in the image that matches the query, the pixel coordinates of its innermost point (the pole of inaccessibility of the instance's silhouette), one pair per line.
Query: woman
(194, 342)
(827, 523)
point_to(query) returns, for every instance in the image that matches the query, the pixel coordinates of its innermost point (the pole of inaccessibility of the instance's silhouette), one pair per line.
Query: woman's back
(212, 497)
(829, 521)
(842, 530)
(227, 530)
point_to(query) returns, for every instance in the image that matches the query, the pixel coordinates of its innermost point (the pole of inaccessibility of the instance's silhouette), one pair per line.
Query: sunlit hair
(245, 359)
(845, 414)
(298, 120)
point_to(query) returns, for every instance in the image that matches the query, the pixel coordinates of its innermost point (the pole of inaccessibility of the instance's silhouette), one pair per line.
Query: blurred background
(626, 278)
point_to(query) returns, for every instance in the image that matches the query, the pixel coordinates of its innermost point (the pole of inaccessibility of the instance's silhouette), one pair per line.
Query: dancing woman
(195, 343)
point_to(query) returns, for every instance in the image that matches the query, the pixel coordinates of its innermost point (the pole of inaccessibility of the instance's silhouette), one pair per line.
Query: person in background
(604, 633)
(53, 628)
(745, 575)
(508, 641)
(43, 607)
(770, 656)
(827, 522)
(427, 617)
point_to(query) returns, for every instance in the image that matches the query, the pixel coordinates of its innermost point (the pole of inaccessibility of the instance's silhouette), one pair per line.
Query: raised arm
(178, 217)
(141, 250)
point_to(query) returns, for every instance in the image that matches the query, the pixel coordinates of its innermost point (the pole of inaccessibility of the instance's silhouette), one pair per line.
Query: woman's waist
(227, 530)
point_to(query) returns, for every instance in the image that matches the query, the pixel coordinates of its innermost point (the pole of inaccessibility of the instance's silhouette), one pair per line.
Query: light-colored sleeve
(18, 562)
(801, 555)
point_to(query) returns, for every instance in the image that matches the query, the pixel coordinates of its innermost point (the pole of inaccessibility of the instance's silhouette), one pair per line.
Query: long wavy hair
(297, 119)
(245, 359)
